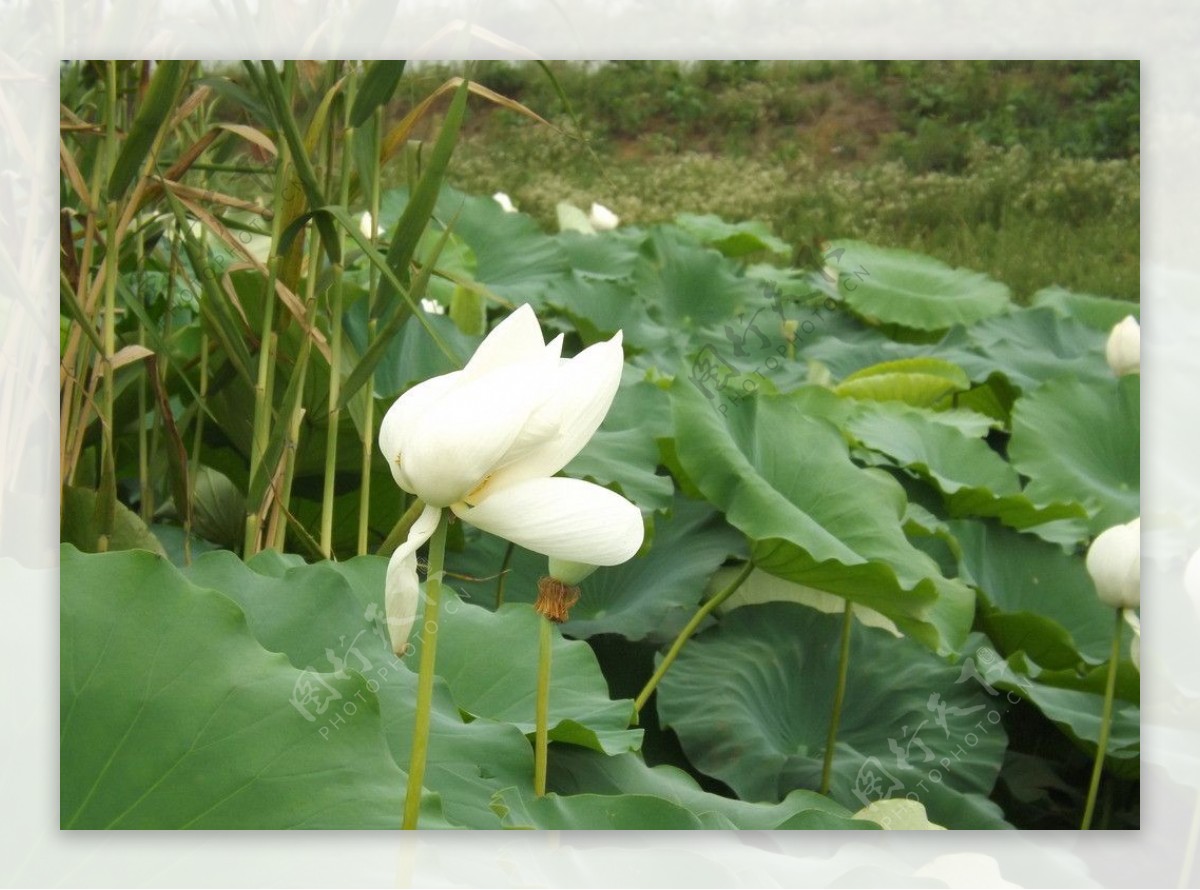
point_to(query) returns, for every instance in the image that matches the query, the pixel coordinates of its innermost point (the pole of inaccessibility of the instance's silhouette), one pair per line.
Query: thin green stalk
(300, 372)
(146, 498)
(684, 635)
(400, 530)
(335, 346)
(364, 488)
(429, 624)
(839, 696)
(263, 413)
(107, 497)
(1110, 688)
(364, 507)
(542, 714)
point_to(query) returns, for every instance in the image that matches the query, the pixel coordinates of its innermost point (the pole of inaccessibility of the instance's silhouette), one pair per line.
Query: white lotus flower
(1115, 563)
(505, 202)
(366, 225)
(1124, 347)
(603, 219)
(486, 441)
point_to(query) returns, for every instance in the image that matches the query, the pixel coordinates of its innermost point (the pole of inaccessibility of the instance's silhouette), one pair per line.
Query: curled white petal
(562, 518)
(366, 225)
(577, 399)
(603, 219)
(505, 202)
(462, 438)
(402, 589)
(515, 339)
(433, 307)
(1124, 347)
(403, 421)
(1115, 563)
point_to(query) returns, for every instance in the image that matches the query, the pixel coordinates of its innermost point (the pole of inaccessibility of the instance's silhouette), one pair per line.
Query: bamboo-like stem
(335, 346)
(429, 635)
(364, 490)
(541, 739)
(839, 696)
(1110, 688)
(690, 628)
(111, 253)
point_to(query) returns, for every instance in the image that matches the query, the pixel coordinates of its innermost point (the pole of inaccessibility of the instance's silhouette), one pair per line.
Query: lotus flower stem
(1110, 688)
(429, 624)
(839, 696)
(684, 635)
(541, 737)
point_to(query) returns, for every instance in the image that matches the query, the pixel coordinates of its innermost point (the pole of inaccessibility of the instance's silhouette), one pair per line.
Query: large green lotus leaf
(1039, 599)
(648, 597)
(489, 661)
(1080, 441)
(760, 587)
(577, 771)
(687, 285)
(172, 537)
(912, 290)
(786, 481)
(732, 239)
(1095, 312)
(599, 307)
(612, 255)
(173, 715)
(633, 812)
(1028, 346)
(915, 381)
(750, 700)
(513, 257)
(79, 526)
(1076, 712)
(328, 617)
(975, 480)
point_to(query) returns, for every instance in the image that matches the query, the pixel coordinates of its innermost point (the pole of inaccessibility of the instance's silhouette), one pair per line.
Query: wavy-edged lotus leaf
(174, 716)
(975, 480)
(919, 381)
(648, 597)
(750, 700)
(81, 530)
(732, 239)
(1080, 441)
(1036, 598)
(911, 289)
(1096, 312)
(786, 481)
(578, 771)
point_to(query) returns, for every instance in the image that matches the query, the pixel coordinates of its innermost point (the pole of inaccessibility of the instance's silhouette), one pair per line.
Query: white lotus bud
(1115, 563)
(1124, 347)
(603, 219)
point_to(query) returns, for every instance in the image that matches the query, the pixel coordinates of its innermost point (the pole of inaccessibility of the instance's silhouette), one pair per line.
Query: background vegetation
(1028, 171)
